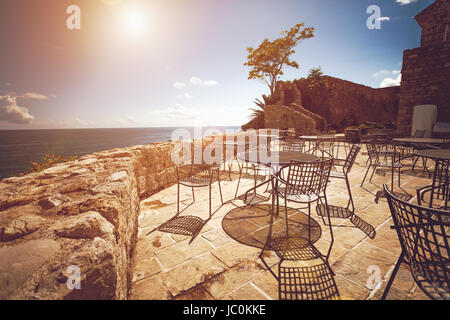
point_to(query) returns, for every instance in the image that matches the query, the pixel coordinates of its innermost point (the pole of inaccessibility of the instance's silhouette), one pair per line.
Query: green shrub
(49, 161)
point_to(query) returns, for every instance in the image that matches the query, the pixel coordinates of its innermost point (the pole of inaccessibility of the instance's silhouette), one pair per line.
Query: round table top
(277, 158)
(419, 140)
(437, 154)
(322, 137)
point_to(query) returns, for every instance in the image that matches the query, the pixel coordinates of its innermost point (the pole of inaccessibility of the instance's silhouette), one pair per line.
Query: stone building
(426, 70)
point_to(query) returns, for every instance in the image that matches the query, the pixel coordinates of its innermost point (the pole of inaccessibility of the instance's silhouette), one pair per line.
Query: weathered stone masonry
(426, 70)
(82, 213)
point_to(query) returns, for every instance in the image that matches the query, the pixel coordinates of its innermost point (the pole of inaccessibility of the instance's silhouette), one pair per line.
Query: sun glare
(135, 22)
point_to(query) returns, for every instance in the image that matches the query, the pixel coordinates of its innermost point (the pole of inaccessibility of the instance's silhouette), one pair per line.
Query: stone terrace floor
(216, 266)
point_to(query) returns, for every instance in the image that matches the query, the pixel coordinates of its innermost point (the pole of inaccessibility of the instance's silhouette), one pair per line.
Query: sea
(18, 148)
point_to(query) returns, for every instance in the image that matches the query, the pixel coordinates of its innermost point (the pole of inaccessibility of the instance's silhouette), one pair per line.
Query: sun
(135, 22)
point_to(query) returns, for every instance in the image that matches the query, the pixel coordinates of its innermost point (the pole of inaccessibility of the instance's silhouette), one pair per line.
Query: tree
(267, 61)
(315, 77)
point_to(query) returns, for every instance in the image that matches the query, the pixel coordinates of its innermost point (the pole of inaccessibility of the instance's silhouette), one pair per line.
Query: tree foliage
(267, 61)
(48, 162)
(315, 77)
(267, 100)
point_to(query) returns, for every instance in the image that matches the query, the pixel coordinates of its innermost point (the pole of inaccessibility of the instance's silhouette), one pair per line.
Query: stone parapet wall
(82, 213)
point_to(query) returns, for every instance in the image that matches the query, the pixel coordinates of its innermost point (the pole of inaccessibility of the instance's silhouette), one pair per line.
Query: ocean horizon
(18, 148)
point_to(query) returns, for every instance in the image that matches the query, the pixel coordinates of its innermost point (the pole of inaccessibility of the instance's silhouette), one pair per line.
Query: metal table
(316, 140)
(420, 140)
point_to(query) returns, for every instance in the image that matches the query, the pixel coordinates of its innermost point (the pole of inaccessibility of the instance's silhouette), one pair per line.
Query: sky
(160, 63)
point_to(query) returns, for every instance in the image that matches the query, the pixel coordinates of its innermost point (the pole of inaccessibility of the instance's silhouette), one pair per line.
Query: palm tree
(258, 113)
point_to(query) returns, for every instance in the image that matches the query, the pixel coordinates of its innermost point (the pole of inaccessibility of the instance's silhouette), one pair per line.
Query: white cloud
(404, 2)
(127, 120)
(34, 95)
(185, 96)
(179, 85)
(381, 73)
(177, 112)
(384, 19)
(198, 82)
(389, 82)
(396, 71)
(12, 113)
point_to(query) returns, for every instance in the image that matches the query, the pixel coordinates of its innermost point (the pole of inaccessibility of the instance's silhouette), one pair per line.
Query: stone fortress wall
(426, 70)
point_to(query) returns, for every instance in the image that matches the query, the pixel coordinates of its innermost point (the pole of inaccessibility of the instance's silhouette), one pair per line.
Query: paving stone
(148, 248)
(217, 237)
(356, 263)
(181, 252)
(228, 281)
(191, 273)
(145, 268)
(247, 292)
(149, 289)
(267, 283)
(196, 293)
(233, 253)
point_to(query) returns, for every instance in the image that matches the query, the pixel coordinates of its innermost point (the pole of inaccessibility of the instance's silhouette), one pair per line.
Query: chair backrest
(292, 145)
(351, 158)
(308, 177)
(372, 151)
(424, 237)
(441, 182)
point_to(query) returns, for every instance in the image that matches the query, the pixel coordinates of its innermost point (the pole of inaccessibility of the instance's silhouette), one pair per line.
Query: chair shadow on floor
(186, 225)
(307, 283)
(343, 213)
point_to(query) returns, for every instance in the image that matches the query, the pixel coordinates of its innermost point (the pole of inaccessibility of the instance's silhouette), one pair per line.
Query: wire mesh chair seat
(195, 182)
(299, 197)
(337, 174)
(424, 238)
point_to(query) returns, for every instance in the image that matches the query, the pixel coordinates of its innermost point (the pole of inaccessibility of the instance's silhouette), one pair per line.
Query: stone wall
(425, 72)
(81, 213)
(343, 103)
(282, 117)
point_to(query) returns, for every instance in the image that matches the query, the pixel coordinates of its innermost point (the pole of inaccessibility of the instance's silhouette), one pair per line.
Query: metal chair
(377, 159)
(306, 183)
(294, 145)
(325, 144)
(344, 167)
(424, 239)
(192, 176)
(256, 169)
(437, 195)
